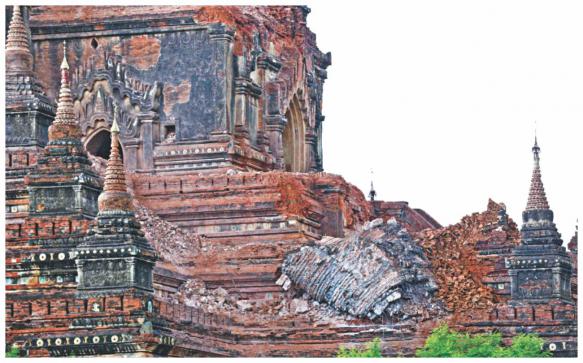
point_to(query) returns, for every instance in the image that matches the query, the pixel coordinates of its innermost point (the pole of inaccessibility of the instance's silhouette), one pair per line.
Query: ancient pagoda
(540, 267)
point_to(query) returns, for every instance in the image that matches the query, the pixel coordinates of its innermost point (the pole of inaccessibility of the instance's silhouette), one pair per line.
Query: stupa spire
(537, 198)
(573, 243)
(539, 268)
(65, 125)
(18, 54)
(116, 227)
(372, 194)
(65, 114)
(115, 196)
(22, 86)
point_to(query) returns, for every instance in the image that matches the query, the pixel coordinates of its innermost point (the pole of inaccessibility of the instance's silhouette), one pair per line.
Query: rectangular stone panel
(535, 284)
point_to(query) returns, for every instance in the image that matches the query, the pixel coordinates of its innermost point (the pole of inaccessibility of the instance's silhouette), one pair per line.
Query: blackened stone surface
(63, 182)
(191, 57)
(115, 256)
(540, 267)
(540, 273)
(28, 127)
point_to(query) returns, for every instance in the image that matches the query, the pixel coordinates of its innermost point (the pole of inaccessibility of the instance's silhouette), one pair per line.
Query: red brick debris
(455, 261)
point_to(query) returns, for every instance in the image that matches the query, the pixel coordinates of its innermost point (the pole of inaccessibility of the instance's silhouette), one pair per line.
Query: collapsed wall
(229, 277)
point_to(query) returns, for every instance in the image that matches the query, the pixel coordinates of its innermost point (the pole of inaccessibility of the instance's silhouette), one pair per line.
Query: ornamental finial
(372, 194)
(535, 148)
(114, 125)
(64, 63)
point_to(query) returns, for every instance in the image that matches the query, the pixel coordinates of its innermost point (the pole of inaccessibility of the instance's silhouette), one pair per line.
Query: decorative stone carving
(101, 88)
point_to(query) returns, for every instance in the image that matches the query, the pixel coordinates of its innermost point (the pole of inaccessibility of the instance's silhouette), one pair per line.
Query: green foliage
(444, 342)
(13, 352)
(527, 346)
(372, 350)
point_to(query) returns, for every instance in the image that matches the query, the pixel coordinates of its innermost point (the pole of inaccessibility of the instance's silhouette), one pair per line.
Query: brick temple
(166, 196)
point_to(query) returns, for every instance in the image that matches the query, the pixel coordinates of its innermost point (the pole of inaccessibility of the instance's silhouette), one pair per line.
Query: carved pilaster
(223, 36)
(131, 155)
(311, 141)
(274, 130)
(246, 107)
(147, 156)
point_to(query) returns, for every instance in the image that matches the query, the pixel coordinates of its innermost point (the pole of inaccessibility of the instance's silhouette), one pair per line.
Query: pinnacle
(18, 54)
(537, 198)
(65, 114)
(18, 37)
(115, 196)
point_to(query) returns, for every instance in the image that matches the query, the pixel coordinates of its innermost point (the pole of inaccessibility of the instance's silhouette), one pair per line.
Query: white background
(440, 99)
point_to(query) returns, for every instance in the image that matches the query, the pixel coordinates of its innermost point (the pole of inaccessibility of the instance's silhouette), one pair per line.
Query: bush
(525, 345)
(372, 350)
(13, 352)
(444, 342)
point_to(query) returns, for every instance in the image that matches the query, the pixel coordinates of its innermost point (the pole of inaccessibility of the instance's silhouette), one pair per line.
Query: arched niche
(137, 113)
(294, 139)
(96, 105)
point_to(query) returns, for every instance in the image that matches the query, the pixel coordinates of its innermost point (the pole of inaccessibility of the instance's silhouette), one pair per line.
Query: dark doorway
(294, 139)
(100, 145)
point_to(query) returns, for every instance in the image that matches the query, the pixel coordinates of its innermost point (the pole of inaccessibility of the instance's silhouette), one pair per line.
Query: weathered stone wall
(64, 325)
(555, 322)
(222, 75)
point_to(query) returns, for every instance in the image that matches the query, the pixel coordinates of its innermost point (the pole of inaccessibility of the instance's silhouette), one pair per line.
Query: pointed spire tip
(114, 125)
(64, 64)
(18, 36)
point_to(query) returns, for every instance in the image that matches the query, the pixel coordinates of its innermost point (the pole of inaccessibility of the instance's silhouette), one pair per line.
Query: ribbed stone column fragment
(380, 271)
